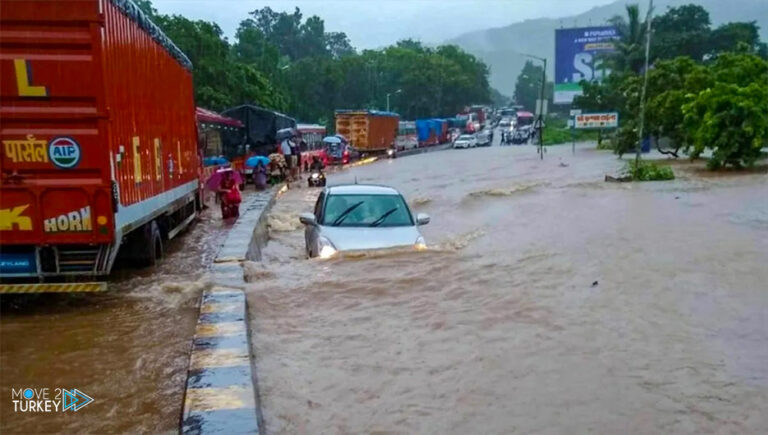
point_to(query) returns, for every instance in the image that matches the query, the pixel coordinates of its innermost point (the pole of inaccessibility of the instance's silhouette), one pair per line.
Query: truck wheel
(150, 246)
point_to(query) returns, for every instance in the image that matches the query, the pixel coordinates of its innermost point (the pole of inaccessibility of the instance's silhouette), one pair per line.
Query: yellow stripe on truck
(75, 287)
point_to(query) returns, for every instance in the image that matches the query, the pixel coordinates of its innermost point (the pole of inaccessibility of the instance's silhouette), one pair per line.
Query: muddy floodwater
(549, 302)
(128, 348)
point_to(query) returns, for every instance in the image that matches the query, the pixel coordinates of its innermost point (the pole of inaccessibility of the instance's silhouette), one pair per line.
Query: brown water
(549, 302)
(128, 348)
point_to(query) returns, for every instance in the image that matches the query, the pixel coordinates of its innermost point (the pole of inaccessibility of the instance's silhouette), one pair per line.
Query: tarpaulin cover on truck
(129, 8)
(422, 128)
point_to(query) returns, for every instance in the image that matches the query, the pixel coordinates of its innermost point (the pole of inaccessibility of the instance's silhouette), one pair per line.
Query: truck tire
(149, 245)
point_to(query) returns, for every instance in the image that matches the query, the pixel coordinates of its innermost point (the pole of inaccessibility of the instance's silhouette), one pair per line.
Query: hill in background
(500, 47)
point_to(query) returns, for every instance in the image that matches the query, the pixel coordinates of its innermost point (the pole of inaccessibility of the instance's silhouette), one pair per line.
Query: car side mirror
(307, 219)
(422, 219)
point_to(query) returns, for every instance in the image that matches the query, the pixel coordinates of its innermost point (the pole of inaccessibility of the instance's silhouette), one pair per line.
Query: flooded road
(549, 302)
(128, 349)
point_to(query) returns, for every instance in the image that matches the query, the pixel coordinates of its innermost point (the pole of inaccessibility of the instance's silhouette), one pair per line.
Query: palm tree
(630, 48)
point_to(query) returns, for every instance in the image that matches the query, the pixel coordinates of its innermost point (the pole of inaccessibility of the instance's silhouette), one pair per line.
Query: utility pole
(541, 110)
(648, 20)
(390, 93)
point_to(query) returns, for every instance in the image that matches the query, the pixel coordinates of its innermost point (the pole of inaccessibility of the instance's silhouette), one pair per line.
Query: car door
(311, 232)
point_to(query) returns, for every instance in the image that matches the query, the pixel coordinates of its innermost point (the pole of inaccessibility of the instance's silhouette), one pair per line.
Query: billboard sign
(596, 120)
(577, 54)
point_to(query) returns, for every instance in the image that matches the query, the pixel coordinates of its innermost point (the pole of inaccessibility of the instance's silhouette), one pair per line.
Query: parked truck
(368, 131)
(99, 154)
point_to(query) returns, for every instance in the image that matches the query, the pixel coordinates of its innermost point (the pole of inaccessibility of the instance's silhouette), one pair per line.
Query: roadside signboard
(577, 54)
(575, 112)
(597, 120)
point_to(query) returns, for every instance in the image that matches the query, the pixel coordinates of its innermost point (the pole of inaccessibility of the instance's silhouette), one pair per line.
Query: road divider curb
(221, 395)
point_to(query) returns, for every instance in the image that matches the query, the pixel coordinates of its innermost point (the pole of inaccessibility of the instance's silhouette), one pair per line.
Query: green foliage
(432, 82)
(706, 89)
(296, 38)
(729, 116)
(648, 171)
(528, 87)
(681, 31)
(630, 51)
(285, 62)
(742, 37)
(220, 79)
(731, 121)
(557, 132)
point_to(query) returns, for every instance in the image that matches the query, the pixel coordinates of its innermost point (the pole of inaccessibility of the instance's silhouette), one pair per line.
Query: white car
(359, 217)
(465, 141)
(484, 137)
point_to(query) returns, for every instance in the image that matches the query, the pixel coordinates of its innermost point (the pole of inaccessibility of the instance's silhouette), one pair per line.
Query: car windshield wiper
(345, 213)
(380, 220)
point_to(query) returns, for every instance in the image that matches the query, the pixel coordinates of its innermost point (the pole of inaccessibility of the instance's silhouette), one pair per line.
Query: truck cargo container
(427, 132)
(99, 145)
(260, 126)
(368, 130)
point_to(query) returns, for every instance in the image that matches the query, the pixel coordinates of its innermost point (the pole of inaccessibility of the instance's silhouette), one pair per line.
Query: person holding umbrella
(225, 183)
(259, 165)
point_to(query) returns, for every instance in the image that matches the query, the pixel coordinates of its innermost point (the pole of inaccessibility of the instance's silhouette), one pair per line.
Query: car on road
(465, 141)
(484, 137)
(360, 217)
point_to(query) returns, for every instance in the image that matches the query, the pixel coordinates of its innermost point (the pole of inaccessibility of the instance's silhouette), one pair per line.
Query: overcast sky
(376, 23)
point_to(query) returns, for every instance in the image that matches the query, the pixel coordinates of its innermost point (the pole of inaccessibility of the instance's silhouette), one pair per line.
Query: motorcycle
(316, 179)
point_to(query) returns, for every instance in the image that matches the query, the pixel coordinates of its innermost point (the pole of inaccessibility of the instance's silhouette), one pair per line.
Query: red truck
(99, 150)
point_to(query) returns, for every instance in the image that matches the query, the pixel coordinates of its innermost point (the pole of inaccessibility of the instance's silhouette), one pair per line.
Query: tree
(220, 81)
(252, 47)
(630, 53)
(681, 31)
(744, 37)
(730, 120)
(668, 89)
(297, 38)
(528, 85)
(146, 7)
(729, 116)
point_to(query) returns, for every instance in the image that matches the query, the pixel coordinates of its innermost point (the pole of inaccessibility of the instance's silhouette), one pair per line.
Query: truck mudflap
(74, 287)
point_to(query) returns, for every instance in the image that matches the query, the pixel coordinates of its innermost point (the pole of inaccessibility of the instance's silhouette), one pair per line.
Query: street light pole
(390, 93)
(541, 99)
(541, 110)
(648, 20)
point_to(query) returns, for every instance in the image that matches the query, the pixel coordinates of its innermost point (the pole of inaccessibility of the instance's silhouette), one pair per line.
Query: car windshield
(366, 211)
(465, 137)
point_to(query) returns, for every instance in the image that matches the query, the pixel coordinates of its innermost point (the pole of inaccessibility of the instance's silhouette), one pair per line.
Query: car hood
(362, 238)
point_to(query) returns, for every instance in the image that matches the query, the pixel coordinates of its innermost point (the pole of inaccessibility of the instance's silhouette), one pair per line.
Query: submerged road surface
(128, 348)
(549, 302)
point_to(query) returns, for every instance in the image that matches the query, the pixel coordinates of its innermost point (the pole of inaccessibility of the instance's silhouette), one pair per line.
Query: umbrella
(343, 139)
(253, 161)
(284, 133)
(211, 161)
(214, 181)
(331, 139)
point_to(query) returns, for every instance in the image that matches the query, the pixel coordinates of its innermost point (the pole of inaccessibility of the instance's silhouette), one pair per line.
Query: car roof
(362, 189)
